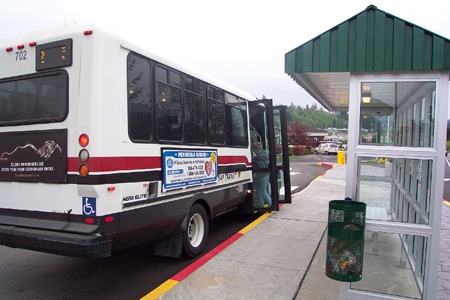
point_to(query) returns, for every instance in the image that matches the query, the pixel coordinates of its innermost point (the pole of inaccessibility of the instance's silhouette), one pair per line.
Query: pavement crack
(309, 266)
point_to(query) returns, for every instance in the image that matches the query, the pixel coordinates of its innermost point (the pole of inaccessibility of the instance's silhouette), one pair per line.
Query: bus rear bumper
(62, 243)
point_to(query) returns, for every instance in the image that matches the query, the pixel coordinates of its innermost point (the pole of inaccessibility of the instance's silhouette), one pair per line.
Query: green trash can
(345, 243)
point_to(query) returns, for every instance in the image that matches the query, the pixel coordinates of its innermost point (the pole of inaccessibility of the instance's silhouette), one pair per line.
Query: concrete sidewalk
(283, 257)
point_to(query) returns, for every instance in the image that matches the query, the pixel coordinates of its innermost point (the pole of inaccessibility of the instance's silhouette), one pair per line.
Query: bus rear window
(39, 98)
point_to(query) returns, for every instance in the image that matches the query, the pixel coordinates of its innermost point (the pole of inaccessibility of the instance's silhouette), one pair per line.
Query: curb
(331, 166)
(180, 276)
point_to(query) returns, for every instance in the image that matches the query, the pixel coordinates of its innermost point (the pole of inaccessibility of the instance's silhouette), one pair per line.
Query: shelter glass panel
(397, 113)
(399, 255)
(395, 189)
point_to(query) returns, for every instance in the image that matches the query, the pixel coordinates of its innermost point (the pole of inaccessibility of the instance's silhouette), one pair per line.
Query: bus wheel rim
(196, 230)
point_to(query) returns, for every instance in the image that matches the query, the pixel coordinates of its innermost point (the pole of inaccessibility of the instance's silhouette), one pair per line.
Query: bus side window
(237, 135)
(195, 111)
(236, 121)
(139, 98)
(216, 117)
(168, 105)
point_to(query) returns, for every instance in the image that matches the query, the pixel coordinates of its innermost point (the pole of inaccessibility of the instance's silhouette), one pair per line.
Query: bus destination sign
(185, 168)
(54, 55)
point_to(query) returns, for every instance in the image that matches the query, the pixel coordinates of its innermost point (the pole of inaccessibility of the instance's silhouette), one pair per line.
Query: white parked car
(327, 148)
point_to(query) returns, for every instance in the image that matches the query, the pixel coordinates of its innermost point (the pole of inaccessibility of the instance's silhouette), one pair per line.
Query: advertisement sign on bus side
(185, 168)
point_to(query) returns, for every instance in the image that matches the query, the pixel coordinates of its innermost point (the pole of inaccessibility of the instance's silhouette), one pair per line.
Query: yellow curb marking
(254, 223)
(162, 289)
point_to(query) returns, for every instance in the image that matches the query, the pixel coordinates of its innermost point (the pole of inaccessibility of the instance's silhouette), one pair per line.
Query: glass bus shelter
(393, 79)
(395, 164)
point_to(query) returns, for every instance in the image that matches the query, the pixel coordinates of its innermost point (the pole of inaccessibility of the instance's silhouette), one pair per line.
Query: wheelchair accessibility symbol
(89, 206)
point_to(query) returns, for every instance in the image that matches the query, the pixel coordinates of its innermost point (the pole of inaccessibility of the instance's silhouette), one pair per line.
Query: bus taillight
(83, 140)
(83, 155)
(89, 221)
(83, 170)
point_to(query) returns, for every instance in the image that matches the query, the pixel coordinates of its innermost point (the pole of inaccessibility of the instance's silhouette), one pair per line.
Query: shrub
(291, 150)
(299, 150)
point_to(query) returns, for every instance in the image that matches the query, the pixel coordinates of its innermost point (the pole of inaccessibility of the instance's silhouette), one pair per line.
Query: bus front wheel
(197, 231)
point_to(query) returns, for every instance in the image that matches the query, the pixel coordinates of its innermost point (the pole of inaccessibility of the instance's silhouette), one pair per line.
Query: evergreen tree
(316, 117)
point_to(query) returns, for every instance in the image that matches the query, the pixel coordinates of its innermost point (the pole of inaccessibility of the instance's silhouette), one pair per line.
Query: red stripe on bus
(231, 160)
(110, 164)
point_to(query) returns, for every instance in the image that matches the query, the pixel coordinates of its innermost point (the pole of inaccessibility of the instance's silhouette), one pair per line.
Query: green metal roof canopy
(371, 41)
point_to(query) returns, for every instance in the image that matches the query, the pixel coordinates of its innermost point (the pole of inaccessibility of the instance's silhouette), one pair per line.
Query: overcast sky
(240, 41)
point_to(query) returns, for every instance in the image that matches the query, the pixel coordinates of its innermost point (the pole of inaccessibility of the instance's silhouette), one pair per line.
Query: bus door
(270, 159)
(282, 154)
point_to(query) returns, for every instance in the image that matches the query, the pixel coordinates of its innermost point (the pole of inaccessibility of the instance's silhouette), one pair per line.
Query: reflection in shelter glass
(397, 113)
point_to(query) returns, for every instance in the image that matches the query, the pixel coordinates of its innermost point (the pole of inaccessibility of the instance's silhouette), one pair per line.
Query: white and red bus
(105, 145)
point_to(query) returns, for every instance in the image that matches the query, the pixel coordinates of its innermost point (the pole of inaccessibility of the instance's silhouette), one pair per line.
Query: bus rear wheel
(197, 231)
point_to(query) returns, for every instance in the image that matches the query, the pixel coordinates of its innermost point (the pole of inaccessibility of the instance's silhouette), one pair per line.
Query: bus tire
(196, 233)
